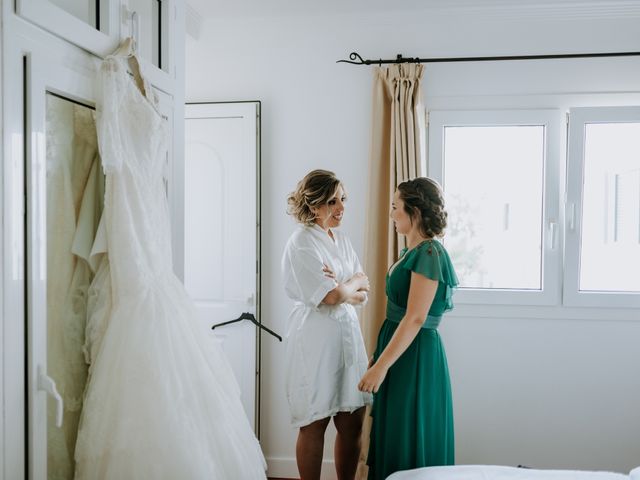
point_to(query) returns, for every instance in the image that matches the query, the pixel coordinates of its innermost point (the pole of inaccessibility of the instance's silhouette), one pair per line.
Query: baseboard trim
(283, 467)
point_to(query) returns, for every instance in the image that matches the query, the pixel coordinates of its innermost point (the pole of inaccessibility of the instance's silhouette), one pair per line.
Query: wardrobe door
(64, 182)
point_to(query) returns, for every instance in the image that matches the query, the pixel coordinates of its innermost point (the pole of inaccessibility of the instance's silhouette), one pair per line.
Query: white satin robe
(325, 352)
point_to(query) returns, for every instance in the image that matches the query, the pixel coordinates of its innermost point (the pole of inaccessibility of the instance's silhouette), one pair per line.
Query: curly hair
(314, 190)
(424, 201)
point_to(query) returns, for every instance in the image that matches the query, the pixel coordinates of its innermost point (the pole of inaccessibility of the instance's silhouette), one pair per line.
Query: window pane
(493, 182)
(85, 10)
(149, 30)
(610, 236)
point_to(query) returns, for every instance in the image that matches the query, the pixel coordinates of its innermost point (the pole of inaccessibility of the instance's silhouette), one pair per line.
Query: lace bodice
(133, 138)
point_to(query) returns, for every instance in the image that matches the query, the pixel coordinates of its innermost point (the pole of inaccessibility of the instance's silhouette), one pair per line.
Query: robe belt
(395, 313)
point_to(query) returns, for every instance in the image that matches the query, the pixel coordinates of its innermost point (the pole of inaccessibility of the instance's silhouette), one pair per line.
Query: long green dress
(412, 411)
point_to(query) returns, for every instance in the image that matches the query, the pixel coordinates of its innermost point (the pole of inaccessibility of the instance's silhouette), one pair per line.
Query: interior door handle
(46, 384)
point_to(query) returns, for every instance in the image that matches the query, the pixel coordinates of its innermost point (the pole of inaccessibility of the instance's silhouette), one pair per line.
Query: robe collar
(320, 232)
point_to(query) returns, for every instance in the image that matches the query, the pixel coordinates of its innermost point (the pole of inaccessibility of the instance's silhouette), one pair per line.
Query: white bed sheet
(493, 472)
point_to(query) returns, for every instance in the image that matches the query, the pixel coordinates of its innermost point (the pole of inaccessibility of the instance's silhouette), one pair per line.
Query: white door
(59, 100)
(49, 418)
(221, 231)
(58, 70)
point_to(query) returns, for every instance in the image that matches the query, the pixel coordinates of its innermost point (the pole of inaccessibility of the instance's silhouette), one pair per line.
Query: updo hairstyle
(314, 190)
(424, 202)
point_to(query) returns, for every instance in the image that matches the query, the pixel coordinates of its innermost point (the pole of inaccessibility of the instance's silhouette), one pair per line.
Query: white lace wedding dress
(160, 404)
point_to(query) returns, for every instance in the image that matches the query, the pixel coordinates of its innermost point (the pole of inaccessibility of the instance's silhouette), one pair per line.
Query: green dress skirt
(412, 424)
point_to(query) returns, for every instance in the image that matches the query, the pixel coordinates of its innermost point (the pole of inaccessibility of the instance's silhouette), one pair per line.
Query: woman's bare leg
(309, 449)
(347, 447)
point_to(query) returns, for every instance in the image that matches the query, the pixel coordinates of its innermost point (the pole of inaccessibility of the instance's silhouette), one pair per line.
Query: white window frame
(578, 118)
(551, 120)
(58, 21)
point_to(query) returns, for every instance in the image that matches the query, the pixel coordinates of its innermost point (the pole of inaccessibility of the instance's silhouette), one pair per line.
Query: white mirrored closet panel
(52, 196)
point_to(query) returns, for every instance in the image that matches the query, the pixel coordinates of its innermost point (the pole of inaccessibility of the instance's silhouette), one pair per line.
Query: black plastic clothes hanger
(252, 318)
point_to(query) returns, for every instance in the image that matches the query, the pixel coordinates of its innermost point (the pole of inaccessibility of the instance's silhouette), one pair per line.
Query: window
(511, 237)
(151, 25)
(603, 208)
(497, 217)
(499, 171)
(84, 10)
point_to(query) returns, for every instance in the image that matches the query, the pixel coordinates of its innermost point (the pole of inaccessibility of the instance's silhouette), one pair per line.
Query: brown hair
(424, 201)
(314, 190)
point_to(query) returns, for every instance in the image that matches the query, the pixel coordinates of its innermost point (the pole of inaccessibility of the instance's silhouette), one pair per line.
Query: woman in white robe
(325, 351)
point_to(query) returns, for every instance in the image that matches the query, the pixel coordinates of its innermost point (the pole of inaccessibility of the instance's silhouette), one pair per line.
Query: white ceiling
(268, 8)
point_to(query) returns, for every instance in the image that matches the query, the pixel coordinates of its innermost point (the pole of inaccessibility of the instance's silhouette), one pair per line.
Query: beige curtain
(397, 154)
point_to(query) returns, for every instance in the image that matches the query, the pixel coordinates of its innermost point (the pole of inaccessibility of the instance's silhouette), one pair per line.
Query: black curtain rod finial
(353, 56)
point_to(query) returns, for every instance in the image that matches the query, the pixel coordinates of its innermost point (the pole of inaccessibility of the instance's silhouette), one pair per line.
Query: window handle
(505, 217)
(46, 384)
(553, 234)
(571, 215)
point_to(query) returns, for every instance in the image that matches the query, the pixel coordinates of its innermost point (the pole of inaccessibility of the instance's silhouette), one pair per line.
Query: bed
(492, 472)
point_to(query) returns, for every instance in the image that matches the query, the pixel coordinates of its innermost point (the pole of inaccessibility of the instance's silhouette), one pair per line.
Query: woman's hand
(354, 291)
(361, 282)
(372, 379)
(328, 272)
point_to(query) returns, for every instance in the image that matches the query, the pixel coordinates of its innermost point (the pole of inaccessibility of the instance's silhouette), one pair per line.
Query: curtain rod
(356, 59)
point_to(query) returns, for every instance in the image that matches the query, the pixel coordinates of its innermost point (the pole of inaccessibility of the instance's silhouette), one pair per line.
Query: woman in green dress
(412, 411)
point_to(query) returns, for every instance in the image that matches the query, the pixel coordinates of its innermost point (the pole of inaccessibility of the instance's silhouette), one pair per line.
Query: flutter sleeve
(432, 261)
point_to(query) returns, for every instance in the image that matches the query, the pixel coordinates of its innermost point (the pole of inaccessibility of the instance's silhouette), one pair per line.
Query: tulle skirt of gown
(160, 404)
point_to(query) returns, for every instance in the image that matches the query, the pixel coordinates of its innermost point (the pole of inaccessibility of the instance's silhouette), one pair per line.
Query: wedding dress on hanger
(160, 402)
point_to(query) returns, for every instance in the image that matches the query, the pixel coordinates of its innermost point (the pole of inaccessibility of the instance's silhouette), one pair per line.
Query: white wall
(541, 387)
